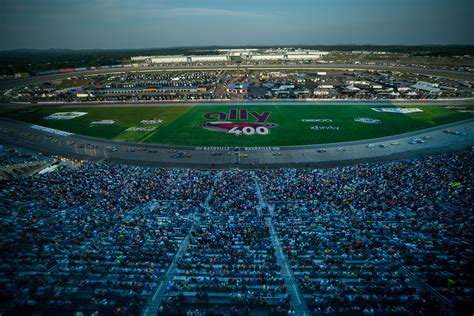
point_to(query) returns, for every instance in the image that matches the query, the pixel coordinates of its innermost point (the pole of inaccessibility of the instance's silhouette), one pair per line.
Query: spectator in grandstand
(359, 240)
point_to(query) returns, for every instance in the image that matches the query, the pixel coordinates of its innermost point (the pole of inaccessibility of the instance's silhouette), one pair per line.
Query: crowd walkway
(153, 304)
(297, 303)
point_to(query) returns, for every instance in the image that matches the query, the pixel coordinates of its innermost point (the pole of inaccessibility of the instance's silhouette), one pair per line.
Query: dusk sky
(85, 24)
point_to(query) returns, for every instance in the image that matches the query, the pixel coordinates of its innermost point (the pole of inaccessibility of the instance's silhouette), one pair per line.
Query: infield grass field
(180, 124)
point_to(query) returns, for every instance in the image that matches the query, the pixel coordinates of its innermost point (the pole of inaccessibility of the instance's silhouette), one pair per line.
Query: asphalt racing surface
(430, 141)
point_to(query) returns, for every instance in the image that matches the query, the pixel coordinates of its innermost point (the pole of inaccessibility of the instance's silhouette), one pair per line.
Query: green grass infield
(242, 125)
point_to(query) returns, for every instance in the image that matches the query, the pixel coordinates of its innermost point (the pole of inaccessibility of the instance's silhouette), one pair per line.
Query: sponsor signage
(65, 115)
(460, 109)
(324, 128)
(153, 121)
(367, 120)
(237, 122)
(51, 130)
(316, 120)
(237, 148)
(103, 122)
(141, 129)
(397, 110)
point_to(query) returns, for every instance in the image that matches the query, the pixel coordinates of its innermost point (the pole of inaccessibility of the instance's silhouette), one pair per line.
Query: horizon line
(239, 46)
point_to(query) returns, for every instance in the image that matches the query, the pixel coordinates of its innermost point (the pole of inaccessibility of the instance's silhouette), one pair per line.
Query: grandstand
(97, 238)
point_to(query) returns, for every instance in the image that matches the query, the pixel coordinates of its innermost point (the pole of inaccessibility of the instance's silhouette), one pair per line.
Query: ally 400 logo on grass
(236, 122)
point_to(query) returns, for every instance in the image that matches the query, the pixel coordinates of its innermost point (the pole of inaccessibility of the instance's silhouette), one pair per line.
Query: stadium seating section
(107, 239)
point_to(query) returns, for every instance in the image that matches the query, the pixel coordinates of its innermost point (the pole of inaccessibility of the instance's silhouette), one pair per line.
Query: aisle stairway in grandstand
(154, 301)
(230, 265)
(151, 308)
(298, 304)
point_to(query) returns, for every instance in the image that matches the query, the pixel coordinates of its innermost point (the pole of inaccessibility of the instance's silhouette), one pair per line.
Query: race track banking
(329, 155)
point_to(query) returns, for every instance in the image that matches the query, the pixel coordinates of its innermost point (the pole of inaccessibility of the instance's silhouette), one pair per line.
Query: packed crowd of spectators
(230, 265)
(13, 156)
(349, 233)
(92, 238)
(381, 239)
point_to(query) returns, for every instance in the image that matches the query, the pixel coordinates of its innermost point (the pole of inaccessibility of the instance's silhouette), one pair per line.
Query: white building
(359, 82)
(266, 57)
(237, 50)
(403, 89)
(246, 54)
(143, 58)
(169, 60)
(427, 86)
(352, 88)
(210, 58)
(84, 95)
(325, 86)
(312, 56)
(284, 87)
(188, 59)
(321, 92)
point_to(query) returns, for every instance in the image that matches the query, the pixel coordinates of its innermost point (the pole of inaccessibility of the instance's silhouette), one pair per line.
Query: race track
(336, 154)
(330, 155)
